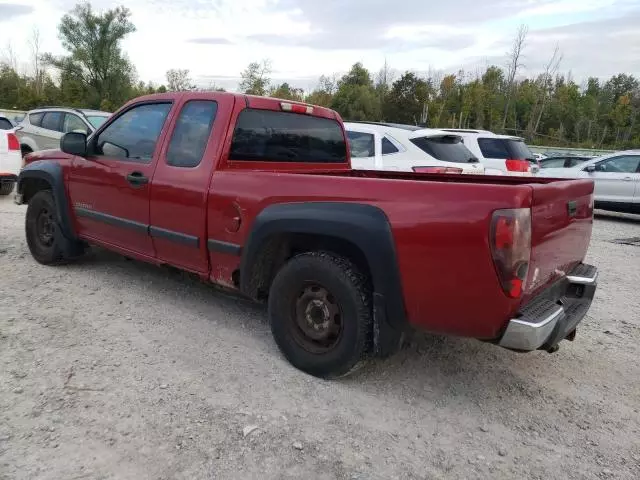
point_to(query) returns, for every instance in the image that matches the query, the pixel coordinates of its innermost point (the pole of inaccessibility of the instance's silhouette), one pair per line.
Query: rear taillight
(296, 108)
(437, 170)
(517, 165)
(510, 239)
(14, 144)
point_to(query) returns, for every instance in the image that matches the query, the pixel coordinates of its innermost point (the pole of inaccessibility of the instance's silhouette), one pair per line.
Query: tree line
(550, 108)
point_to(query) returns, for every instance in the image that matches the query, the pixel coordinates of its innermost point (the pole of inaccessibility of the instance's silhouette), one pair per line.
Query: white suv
(42, 128)
(407, 148)
(500, 154)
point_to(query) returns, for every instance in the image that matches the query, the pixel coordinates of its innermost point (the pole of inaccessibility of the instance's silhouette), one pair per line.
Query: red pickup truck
(257, 194)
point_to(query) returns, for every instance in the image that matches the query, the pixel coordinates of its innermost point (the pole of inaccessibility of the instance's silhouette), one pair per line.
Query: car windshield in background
(270, 136)
(447, 148)
(96, 120)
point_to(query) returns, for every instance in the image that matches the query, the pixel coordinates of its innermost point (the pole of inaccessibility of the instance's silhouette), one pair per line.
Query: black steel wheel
(46, 242)
(320, 314)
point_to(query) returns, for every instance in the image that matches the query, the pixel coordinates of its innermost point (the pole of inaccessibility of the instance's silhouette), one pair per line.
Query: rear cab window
(448, 148)
(273, 136)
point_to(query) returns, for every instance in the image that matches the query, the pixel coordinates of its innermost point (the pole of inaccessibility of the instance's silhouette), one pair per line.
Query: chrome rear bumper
(554, 314)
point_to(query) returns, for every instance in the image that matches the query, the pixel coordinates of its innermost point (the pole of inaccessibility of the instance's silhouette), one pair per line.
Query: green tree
(356, 98)
(96, 64)
(178, 80)
(324, 92)
(286, 92)
(406, 100)
(255, 78)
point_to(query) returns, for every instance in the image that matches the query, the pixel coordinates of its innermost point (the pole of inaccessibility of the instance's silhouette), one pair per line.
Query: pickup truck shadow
(427, 370)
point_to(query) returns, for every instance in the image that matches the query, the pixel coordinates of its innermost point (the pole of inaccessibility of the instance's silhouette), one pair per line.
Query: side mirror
(590, 168)
(74, 143)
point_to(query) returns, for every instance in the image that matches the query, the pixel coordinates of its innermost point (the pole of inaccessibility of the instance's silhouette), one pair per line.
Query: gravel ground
(113, 369)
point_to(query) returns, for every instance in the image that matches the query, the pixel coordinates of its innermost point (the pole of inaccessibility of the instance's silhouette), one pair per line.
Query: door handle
(137, 179)
(627, 179)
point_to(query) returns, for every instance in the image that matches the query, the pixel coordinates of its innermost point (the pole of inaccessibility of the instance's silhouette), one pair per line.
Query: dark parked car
(565, 161)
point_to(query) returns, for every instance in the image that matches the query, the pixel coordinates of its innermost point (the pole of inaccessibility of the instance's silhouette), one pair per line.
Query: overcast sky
(216, 39)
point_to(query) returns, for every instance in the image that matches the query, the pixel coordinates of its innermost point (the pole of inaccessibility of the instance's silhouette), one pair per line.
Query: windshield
(447, 148)
(96, 120)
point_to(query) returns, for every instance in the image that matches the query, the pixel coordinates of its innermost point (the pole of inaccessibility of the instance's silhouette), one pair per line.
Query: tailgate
(561, 221)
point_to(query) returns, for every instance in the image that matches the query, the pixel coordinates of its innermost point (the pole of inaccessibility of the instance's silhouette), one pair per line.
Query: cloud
(599, 48)
(348, 41)
(353, 15)
(210, 41)
(11, 10)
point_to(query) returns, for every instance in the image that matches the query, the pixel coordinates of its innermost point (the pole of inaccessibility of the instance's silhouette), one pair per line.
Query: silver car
(42, 128)
(616, 177)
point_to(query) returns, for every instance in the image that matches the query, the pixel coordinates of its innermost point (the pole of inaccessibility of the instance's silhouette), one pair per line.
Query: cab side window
(191, 133)
(134, 134)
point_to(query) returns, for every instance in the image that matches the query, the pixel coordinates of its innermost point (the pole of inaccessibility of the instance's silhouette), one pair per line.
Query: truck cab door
(179, 189)
(109, 189)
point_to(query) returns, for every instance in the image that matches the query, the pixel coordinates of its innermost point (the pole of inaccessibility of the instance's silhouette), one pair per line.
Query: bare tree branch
(515, 59)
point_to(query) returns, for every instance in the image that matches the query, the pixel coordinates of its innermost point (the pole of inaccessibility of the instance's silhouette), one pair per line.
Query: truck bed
(440, 225)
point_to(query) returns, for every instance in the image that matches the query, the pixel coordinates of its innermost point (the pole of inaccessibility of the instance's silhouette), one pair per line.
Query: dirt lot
(112, 369)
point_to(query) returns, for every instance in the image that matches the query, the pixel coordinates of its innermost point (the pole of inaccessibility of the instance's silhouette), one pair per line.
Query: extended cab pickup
(257, 194)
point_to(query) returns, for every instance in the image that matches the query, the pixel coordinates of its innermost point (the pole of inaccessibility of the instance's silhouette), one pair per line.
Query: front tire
(46, 242)
(6, 188)
(320, 314)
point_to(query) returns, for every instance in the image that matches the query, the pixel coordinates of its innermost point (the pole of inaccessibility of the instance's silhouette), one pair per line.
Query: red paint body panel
(440, 223)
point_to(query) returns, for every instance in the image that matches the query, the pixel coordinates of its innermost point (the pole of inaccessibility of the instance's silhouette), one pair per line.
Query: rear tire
(6, 188)
(46, 242)
(320, 314)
